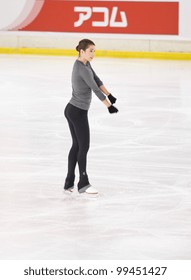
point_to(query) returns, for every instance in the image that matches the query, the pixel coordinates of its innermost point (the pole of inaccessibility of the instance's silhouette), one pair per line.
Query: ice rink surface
(139, 160)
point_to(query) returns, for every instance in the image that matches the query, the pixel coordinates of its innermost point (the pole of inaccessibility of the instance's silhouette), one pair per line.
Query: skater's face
(88, 54)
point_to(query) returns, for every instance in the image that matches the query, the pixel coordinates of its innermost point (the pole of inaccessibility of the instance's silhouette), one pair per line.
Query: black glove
(111, 98)
(112, 109)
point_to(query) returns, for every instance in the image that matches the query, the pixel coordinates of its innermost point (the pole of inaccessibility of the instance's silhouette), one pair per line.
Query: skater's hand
(112, 109)
(111, 98)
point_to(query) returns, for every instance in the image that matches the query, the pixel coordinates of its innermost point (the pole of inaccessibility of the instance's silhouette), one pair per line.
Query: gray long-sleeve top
(84, 80)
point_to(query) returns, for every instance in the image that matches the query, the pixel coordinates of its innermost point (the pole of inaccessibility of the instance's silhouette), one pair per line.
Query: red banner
(107, 17)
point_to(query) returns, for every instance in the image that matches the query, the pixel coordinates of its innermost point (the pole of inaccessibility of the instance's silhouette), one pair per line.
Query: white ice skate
(88, 190)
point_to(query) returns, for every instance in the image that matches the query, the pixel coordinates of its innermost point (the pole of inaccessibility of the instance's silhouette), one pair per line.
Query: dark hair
(84, 44)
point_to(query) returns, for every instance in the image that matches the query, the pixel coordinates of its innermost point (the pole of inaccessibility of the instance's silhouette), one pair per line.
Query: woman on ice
(84, 81)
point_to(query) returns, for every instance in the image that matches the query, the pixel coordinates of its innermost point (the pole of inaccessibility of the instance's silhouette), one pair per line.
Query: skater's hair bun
(84, 44)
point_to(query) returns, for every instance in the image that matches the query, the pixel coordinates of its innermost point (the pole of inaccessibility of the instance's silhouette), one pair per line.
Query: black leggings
(79, 128)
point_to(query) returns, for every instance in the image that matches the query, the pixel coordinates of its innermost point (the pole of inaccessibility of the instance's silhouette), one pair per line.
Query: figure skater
(84, 80)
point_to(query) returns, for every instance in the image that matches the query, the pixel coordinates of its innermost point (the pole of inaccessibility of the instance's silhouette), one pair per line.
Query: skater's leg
(72, 159)
(83, 137)
(72, 156)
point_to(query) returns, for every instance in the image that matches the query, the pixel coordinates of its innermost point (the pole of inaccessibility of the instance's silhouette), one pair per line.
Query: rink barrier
(99, 53)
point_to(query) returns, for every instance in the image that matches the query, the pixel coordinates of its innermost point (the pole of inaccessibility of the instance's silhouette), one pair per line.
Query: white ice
(139, 160)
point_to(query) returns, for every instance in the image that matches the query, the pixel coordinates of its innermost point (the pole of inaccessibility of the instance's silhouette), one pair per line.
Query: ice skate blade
(88, 196)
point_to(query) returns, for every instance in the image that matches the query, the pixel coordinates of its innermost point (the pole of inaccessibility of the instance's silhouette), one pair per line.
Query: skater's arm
(100, 83)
